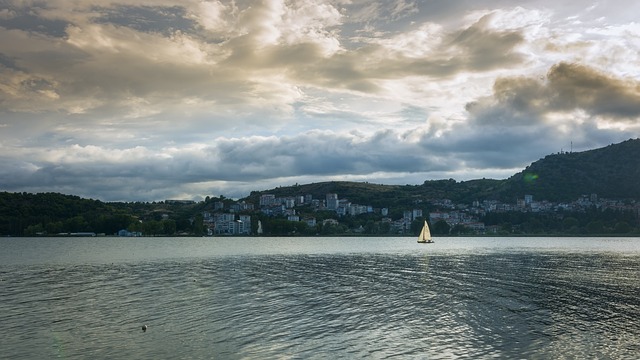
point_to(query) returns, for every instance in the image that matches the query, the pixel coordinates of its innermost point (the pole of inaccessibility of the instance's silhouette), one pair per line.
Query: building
(528, 199)
(289, 202)
(330, 222)
(127, 233)
(241, 206)
(267, 200)
(227, 224)
(332, 201)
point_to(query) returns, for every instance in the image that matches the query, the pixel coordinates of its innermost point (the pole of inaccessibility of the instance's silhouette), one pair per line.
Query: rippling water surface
(275, 298)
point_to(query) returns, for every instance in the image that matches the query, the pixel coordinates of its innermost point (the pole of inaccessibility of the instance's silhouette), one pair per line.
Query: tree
(31, 230)
(622, 227)
(595, 227)
(441, 227)
(416, 226)
(385, 227)
(533, 226)
(169, 227)
(198, 225)
(76, 224)
(570, 224)
(54, 227)
(152, 227)
(460, 229)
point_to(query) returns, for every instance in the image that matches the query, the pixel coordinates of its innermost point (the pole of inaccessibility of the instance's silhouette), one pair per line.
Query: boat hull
(425, 241)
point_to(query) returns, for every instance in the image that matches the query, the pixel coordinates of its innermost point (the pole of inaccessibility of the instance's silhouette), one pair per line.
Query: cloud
(162, 19)
(577, 86)
(315, 153)
(155, 99)
(567, 88)
(167, 56)
(16, 17)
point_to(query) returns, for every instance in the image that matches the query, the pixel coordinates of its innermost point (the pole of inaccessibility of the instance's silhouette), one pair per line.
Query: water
(306, 298)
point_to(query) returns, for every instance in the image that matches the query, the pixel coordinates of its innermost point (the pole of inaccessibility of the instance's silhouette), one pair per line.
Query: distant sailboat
(259, 227)
(425, 234)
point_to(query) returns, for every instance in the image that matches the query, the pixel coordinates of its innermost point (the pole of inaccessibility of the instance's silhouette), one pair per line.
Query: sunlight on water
(294, 298)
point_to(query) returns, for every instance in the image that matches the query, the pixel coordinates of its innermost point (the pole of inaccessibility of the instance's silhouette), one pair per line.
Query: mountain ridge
(610, 172)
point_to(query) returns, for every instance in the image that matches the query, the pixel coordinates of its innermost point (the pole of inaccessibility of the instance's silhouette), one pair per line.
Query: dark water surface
(303, 298)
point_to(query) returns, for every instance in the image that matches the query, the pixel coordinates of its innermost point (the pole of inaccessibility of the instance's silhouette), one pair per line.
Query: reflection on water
(387, 301)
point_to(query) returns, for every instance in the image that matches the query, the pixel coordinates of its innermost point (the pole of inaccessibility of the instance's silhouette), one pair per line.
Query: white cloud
(212, 15)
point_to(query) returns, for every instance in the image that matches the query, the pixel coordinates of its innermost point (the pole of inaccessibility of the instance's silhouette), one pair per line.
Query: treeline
(26, 214)
(590, 222)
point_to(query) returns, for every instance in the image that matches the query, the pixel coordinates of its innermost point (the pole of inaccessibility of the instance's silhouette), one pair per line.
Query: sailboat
(425, 234)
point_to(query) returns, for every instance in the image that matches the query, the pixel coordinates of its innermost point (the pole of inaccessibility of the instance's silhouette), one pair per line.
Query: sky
(147, 100)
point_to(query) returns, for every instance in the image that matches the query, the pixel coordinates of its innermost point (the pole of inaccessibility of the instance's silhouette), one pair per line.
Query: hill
(611, 172)
(53, 213)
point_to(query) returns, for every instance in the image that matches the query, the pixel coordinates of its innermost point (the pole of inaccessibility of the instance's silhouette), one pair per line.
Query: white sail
(425, 234)
(259, 227)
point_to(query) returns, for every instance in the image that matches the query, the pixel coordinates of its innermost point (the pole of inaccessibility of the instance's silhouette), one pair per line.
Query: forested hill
(390, 196)
(53, 213)
(60, 212)
(611, 172)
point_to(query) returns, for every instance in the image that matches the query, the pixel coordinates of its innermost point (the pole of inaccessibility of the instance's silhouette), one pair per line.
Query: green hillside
(53, 213)
(611, 172)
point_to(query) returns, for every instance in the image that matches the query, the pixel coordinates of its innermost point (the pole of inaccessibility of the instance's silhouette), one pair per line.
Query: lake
(319, 298)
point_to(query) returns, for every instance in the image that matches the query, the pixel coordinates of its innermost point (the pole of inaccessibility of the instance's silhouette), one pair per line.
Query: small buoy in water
(144, 328)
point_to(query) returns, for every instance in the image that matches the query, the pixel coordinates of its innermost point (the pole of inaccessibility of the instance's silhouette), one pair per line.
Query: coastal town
(236, 218)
